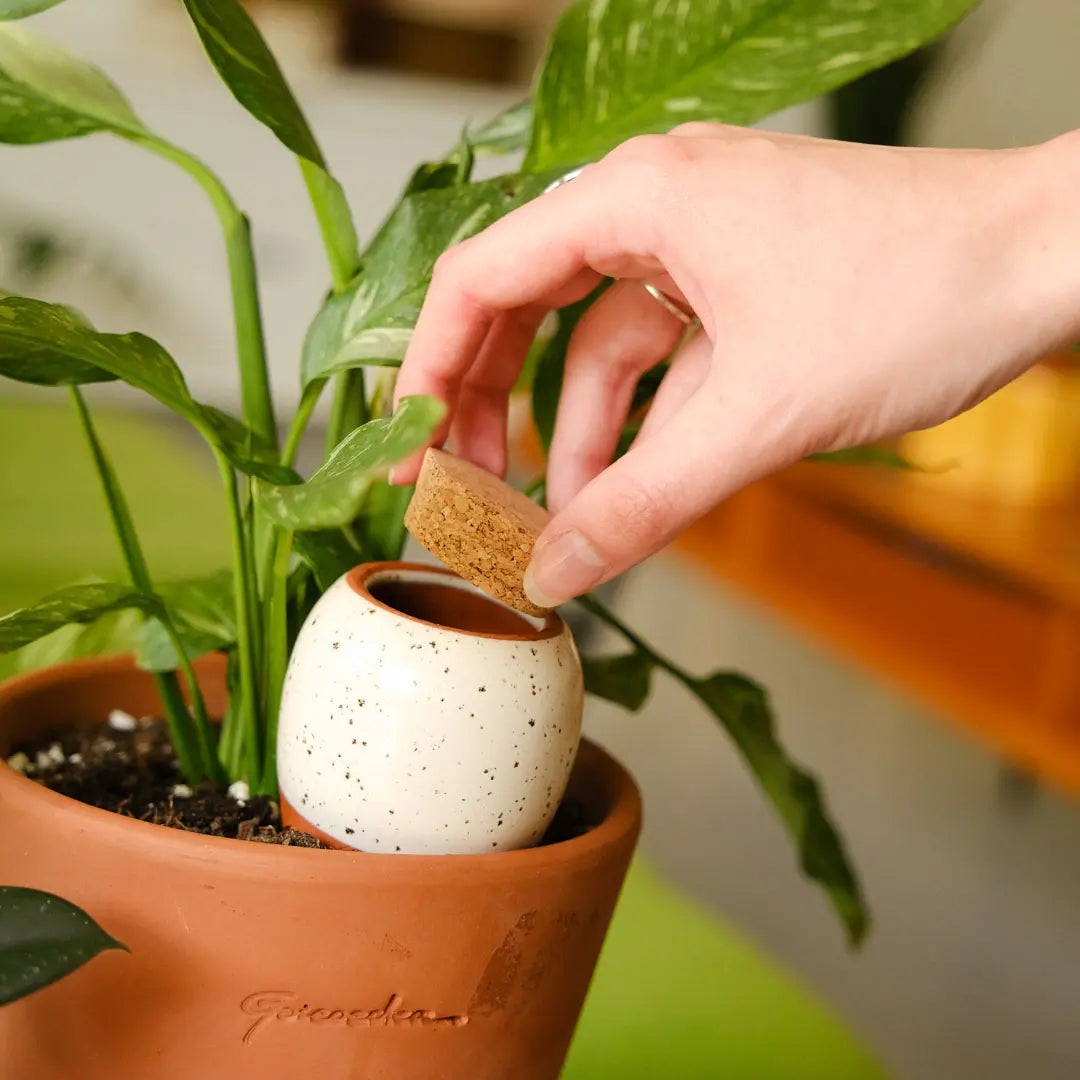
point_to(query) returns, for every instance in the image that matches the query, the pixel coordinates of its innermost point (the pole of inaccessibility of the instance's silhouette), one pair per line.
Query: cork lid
(477, 525)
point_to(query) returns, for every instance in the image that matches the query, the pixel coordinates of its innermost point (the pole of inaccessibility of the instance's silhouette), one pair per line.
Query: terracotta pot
(421, 716)
(255, 961)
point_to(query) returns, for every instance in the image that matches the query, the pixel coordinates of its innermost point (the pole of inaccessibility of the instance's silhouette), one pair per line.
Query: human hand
(846, 293)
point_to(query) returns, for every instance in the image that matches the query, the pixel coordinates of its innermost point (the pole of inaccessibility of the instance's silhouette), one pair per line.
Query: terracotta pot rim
(359, 577)
(623, 817)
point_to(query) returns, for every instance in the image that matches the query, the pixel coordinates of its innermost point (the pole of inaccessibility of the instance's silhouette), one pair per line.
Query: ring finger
(620, 337)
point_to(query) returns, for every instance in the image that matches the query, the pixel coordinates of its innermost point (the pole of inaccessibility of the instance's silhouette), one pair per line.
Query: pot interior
(443, 600)
(84, 692)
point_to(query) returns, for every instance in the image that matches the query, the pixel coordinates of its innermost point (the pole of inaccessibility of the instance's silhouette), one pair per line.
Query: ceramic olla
(421, 716)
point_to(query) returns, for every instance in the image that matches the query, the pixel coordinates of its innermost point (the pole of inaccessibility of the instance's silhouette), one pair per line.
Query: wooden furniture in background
(497, 41)
(972, 607)
(1021, 446)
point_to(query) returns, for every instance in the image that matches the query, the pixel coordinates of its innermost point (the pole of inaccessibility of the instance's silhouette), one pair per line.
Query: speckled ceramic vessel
(420, 716)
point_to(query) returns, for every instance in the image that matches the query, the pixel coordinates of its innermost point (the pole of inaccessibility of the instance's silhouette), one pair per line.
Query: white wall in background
(1010, 78)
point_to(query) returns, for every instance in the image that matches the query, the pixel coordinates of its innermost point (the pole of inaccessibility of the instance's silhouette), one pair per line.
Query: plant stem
(277, 653)
(181, 735)
(335, 223)
(243, 750)
(308, 401)
(231, 749)
(203, 730)
(250, 344)
(594, 607)
(246, 594)
(742, 709)
(194, 745)
(349, 408)
(231, 744)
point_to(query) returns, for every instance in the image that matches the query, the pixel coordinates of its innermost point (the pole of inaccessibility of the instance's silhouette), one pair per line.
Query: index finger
(550, 252)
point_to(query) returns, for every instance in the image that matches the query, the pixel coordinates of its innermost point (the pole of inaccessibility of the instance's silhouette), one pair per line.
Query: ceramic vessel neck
(440, 598)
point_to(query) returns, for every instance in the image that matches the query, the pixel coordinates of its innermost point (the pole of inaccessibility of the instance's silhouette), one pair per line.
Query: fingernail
(562, 568)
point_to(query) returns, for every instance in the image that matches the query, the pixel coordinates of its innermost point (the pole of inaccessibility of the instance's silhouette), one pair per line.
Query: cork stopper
(478, 525)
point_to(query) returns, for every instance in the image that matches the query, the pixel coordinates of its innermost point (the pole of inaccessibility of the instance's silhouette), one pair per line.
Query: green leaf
(116, 632)
(744, 711)
(155, 651)
(625, 67)
(625, 679)
(241, 446)
(743, 708)
(342, 336)
(329, 346)
(332, 497)
(335, 221)
(48, 94)
(866, 455)
(42, 939)
(304, 593)
(20, 9)
(455, 169)
(203, 611)
(505, 133)
(372, 322)
(51, 345)
(328, 554)
(382, 521)
(247, 66)
(75, 604)
(34, 341)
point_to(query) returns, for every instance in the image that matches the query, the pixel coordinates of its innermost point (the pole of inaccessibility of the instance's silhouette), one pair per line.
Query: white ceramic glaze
(399, 734)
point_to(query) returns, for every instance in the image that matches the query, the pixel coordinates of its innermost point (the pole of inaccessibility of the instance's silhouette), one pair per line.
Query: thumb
(636, 506)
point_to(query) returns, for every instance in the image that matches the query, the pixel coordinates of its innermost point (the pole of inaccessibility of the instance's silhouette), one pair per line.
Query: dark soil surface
(134, 772)
(128, 767)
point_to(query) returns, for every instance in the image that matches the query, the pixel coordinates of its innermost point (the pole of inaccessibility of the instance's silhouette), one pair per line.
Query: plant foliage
(614, 69)
(42, 939)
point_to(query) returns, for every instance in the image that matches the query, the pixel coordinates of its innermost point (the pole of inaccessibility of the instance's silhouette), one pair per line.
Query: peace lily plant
(614, 69)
